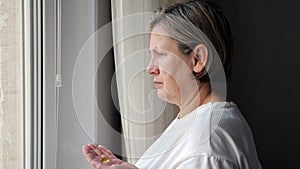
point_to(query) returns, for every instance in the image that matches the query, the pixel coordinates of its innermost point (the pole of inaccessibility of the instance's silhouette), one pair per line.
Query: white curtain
(144, 116)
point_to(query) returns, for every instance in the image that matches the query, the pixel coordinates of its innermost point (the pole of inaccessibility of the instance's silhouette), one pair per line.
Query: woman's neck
(196, 99)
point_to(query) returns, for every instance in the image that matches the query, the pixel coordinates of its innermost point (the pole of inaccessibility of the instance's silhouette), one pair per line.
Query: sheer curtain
(144, 116)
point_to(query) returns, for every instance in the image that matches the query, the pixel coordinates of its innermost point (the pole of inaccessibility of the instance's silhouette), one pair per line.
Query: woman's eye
(161, 54)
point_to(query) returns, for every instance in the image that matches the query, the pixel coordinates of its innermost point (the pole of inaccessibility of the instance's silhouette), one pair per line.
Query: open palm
(101, 158)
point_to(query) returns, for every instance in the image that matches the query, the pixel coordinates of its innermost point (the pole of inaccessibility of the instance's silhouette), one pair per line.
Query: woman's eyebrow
(154, 50)
(157, 50)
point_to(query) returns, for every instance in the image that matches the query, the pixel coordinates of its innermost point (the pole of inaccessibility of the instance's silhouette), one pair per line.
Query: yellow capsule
(104, 160)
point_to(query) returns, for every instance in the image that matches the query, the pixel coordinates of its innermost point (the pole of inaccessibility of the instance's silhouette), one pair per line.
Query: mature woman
(191, 50)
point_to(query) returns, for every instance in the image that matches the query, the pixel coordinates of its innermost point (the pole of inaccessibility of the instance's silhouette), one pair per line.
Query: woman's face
(171, 69)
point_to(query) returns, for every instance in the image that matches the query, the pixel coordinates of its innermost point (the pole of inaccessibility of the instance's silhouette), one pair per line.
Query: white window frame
(32, 68)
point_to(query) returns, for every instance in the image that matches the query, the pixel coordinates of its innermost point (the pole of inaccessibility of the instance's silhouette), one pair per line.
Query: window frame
(32, 73)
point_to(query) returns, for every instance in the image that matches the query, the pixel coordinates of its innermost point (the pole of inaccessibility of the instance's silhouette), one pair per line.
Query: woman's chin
(167, 98)
(161, 95)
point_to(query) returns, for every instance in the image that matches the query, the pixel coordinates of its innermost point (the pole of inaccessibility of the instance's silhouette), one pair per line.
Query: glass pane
(11, 142)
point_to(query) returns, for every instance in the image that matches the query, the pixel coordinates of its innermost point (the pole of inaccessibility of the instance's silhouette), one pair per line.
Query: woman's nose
(153, 66)
(153, 70)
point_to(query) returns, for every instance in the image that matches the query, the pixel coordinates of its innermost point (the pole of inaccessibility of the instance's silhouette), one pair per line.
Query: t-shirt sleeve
(205, 162)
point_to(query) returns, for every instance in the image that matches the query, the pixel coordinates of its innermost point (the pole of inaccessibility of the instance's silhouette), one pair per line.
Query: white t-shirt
(213, 136)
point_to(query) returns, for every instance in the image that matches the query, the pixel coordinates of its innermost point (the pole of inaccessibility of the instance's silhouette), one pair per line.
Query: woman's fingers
(92, 146)
(88, 149)
(107, 152)
(90, 154)
(95, 149)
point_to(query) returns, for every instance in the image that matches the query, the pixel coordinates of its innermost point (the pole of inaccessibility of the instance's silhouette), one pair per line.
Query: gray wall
(265, 79)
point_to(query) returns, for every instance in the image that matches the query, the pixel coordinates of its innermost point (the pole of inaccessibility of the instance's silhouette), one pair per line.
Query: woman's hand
(101, 158)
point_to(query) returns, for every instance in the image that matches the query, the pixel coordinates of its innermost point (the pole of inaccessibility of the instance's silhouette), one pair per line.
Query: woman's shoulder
(224, 115)
(221, 131)
(222, 120)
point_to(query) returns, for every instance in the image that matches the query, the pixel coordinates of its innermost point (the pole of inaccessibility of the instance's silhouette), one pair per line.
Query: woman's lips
(157, 84)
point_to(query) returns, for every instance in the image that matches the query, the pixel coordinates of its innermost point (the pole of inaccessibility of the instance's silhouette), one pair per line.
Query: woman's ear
(200, 58)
